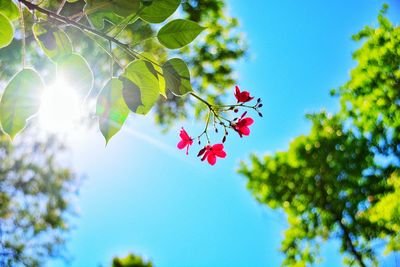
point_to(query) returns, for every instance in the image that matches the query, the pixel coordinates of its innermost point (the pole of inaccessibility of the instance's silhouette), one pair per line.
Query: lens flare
(60, 109)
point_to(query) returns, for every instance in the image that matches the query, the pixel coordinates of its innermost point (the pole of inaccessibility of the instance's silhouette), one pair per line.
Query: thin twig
(61, 6)
(21, 12)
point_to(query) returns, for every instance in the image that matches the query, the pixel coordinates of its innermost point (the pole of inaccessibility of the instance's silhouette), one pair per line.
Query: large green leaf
(111, 108)
(9, 9)
(177, 76)
(178, 33)
(141, 86)
(6, 31)
(20, 101)
(159, 72)
(53, 41)
(76, 73)
(157, 11)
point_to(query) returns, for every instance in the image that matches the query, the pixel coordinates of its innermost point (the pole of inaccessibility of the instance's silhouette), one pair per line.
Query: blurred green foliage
(36, 191)
(341, 180)
(131, 261)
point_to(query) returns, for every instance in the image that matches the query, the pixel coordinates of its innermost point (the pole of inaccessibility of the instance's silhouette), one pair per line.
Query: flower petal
(221, 154)
(212, 159)
(182, 144)
(184, 135)
(218, 147)
(245, 130)
(248, 121)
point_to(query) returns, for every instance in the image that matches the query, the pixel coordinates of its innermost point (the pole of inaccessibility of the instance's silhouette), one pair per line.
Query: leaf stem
(61, 6)
(21, 12)
(111, 60)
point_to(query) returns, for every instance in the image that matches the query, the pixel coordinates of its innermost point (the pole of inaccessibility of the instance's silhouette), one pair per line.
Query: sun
(60, 109)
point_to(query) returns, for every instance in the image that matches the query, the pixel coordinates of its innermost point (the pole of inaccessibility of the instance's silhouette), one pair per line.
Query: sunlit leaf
(97, 18)
(20, 101)
(111, 10)
(178, 33)
(53, 41)
(6, 31)
(157, 11)
(111, 108)
(177, 76)
(159, 72)
(141, 87)
(9, 9)
(76, 73)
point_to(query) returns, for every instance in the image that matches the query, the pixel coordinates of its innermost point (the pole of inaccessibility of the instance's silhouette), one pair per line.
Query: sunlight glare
(60, 108)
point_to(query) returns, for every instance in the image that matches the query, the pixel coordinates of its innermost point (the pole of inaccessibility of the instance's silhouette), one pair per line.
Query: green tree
(341, 180)
(35, 200)
(131, 261)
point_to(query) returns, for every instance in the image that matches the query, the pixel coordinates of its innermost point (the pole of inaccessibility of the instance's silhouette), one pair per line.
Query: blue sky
(142, 195)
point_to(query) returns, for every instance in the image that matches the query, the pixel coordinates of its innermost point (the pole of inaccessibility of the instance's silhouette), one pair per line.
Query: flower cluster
(217, 116)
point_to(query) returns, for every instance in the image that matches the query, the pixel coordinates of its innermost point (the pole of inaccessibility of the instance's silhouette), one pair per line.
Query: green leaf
(157, 11)
(53, 41)
(75, 71)
(111, 10)
(159, 72)
(9, 9)
(177, 76)
(97, 18)
(178, 33)
(141, 87)
(6, 31)
(20, 101)
(111, 108)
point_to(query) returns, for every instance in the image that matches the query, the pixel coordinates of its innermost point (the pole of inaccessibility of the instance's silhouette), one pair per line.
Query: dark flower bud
(260, 114)
(201, 152)
(224, 139)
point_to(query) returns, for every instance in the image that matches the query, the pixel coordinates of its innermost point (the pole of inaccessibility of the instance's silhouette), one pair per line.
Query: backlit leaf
(9, 9)
(178, 33)
(177, 76)
(111, 10)
(157, 11)
(141, 87)
(6, 31)
(161, 81)
(53, 41)
(111, 108)
(75, 71)
(20, 101)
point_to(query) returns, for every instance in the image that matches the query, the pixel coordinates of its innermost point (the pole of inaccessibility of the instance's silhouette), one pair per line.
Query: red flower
(242, 97)
(186, 141)
(212, 152)
(242, 125)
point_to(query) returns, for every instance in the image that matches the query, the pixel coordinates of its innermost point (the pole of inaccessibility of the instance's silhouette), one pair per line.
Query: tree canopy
(340, 181)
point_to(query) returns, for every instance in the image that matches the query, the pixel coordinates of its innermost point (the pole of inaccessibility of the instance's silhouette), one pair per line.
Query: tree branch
(349, 242)
(66, 20)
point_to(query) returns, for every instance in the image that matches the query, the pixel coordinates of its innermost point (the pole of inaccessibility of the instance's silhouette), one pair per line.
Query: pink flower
(242, 97)
(212, 152)
(186, 141)
(242, 125)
